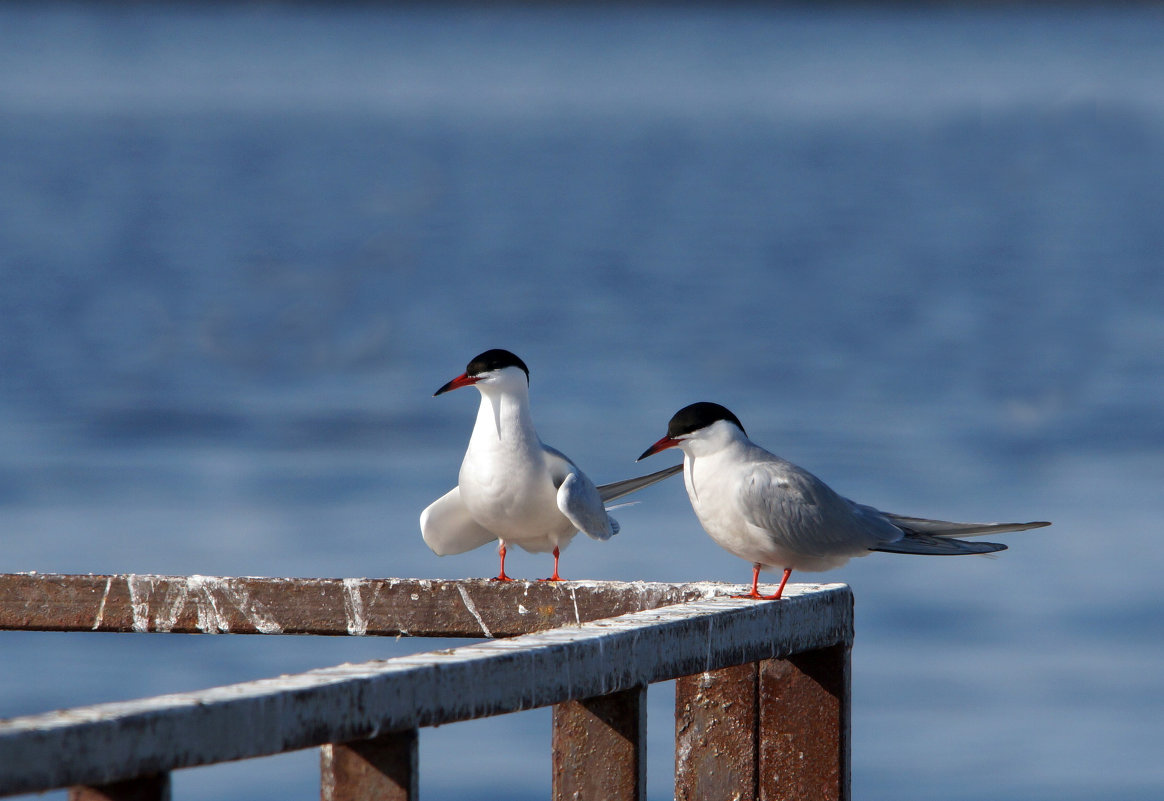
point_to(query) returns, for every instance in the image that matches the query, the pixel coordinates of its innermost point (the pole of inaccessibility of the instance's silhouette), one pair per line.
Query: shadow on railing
(761, 707)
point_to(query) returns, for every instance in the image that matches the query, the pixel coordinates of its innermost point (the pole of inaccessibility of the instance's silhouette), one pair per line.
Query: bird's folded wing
(944, 528)
(578, 499)
(617, 489)
(448, 528)
(936, 546)
(805, 514)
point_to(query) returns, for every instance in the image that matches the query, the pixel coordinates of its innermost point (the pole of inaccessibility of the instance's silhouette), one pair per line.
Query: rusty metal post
(380, 769)
(715, 735)
(599, 748)
(804, 706)
(143, 788)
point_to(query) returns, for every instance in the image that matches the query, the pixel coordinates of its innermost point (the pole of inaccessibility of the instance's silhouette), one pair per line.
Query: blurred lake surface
(918, 251)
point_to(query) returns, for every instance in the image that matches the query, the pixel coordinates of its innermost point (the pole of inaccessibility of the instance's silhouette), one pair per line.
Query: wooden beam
(411, 607)
(109, 742)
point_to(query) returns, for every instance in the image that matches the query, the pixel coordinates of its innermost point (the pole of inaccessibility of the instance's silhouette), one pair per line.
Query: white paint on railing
(207, 595)
(574, 598)
(256, 611)
(140, 588)
(175, 602)
(473, 610)
(101, 609)
(354, 607)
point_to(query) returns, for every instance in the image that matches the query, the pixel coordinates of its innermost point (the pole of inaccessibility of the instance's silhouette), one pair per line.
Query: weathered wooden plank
(144, 788)
(109, 742)
(380, 769)
(804, 726)
(417, 607)
(599, 747)
(716, 735)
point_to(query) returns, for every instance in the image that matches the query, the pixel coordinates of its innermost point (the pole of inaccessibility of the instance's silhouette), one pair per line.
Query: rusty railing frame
(762, 689)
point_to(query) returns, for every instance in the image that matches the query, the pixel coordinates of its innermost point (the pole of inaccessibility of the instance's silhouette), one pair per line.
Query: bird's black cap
(495, 359)
(700, 415)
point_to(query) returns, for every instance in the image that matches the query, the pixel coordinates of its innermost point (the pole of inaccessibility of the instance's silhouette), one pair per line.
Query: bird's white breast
(506, 484)
(711, 482)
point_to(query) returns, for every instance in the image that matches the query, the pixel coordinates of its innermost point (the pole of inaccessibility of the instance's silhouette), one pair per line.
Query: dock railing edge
(728, 653)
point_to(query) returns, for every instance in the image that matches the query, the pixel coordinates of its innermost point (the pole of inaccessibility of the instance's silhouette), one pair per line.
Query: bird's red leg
(755, 593)
(780, 589)
(555, 577)
(501, 576)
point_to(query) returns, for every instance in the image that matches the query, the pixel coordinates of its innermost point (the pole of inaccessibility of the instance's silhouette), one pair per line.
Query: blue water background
(919, 251)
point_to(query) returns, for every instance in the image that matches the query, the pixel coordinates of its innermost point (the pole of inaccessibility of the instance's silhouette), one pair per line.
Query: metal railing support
(716, 730)
(383, 768)
(804, 704)
(599, 747)
(777, 729)
(144, 788)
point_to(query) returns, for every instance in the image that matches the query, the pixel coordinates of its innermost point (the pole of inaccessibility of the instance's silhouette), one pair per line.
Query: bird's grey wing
(944, 528)
(578, 498)
(876, 522)
(617, 489)
(448, 528)
(806, 513)
(937, 546)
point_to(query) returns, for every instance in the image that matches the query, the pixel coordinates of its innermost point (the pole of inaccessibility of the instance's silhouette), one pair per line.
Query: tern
(512, 487)
(779, 516)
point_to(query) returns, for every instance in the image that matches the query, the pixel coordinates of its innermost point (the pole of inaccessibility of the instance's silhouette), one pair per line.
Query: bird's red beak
(463, 380)
(661, 445)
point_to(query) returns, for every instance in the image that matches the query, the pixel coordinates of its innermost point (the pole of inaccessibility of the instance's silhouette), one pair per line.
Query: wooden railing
(762, 691)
